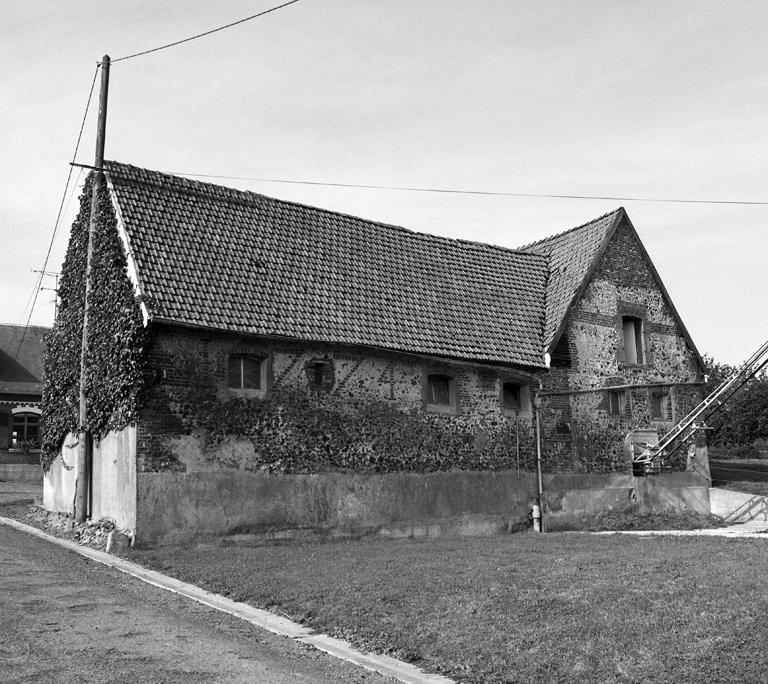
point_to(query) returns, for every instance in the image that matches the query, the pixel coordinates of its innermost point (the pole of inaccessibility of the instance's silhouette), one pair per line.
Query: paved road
(64, 618)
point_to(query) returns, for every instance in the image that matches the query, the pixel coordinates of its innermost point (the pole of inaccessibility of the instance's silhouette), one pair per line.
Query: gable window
(515, 398)
(660, 404)
(320, 375)
(632, 333)
(440, 393)
(244, 372)
(618, 403)
(25, 429)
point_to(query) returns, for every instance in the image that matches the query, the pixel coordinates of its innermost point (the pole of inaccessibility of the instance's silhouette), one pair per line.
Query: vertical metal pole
(82, 485)
(537, 405)
(517, 441)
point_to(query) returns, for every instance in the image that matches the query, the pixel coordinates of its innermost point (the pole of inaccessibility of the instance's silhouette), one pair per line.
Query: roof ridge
(570, 230)
(214, 189)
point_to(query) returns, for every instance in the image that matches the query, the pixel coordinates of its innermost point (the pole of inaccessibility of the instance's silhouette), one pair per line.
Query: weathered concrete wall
(577, 501)
(114, 479)
(580, 432)
(113, 493)
(59, 481)
(176, 508)
(20, 472)
(737, 507)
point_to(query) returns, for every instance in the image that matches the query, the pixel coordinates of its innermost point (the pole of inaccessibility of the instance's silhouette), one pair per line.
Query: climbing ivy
(115, 358)
(300, 432)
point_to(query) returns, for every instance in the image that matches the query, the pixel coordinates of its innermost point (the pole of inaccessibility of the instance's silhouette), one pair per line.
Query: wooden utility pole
(84, 454)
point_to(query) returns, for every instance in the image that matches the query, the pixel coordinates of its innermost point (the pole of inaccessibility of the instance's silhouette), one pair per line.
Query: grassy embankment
(526, 607)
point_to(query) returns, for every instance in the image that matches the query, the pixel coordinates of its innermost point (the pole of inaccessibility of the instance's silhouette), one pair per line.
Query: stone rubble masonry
(578, 433)
(183, 358)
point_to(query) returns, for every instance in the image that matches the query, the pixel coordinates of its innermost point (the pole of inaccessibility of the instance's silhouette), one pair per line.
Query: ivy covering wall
(115, 357)
(299, 432)
(367, 422)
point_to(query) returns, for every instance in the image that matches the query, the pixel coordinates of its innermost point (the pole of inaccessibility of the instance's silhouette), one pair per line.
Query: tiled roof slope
(22, 374)
(570, 254)
(240, 261)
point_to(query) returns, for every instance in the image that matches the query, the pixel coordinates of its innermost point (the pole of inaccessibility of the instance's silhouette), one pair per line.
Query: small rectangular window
(244, 372)
(618, 403)
(660, 404)
(510, 396)
(320, 374)
(632, 332)
(439, 390)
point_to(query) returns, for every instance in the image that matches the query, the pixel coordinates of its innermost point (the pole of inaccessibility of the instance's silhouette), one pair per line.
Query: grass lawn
(556, 607)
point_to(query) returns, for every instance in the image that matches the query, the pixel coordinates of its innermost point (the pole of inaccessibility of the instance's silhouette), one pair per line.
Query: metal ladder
(652, 457)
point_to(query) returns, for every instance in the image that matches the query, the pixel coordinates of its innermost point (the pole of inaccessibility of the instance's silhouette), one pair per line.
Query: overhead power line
(205, 33)
(455, 191)
(39, 281)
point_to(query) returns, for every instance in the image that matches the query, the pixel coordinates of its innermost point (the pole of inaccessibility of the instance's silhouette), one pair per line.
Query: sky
(611, 98)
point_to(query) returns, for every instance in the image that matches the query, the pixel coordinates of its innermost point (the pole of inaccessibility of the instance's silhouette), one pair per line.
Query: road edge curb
(338, 648)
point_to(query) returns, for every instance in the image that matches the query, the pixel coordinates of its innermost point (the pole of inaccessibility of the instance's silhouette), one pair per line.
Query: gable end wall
(579, 434)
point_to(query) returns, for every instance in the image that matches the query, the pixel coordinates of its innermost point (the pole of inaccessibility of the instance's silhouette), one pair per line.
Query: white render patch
(338, 648)
(133, 273)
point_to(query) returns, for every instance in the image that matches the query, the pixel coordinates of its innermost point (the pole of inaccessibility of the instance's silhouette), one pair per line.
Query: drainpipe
(537, 402)
(517, 441)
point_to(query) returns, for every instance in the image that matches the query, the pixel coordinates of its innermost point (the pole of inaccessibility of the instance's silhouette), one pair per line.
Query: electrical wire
(205, 33)
(39, 280)
(453, 191)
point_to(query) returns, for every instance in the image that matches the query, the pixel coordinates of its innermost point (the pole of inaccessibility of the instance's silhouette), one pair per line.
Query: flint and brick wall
(194, 364)
(579, 433)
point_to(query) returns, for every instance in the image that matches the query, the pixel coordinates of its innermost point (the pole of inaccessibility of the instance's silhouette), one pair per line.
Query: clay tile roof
(571, 255)
(21, 367)
(221, 258)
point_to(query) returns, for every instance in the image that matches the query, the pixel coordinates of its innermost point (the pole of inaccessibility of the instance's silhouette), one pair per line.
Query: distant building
(21, 388)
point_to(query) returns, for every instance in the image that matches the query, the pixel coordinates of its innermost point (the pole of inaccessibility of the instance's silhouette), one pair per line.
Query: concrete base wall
(114, 479)
(59, 481)
(176, 508)
(20, 472)
(113, 493)
(738, 507)
(577, 501)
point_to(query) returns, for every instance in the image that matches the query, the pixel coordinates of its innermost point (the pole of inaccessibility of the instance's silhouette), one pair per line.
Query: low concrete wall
(738, 506)
(114, 479)
(59, 481)
(576, 501)
(113, 494)
(175, 508)
(20, 472)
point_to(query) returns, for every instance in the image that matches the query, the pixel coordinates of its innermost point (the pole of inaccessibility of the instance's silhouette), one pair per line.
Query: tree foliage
(743, 419)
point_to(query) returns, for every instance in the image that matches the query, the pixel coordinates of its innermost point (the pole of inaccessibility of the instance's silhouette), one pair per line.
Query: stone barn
(262, 367)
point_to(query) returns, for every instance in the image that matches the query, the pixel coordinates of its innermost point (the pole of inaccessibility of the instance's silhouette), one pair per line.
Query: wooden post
(82, 485)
